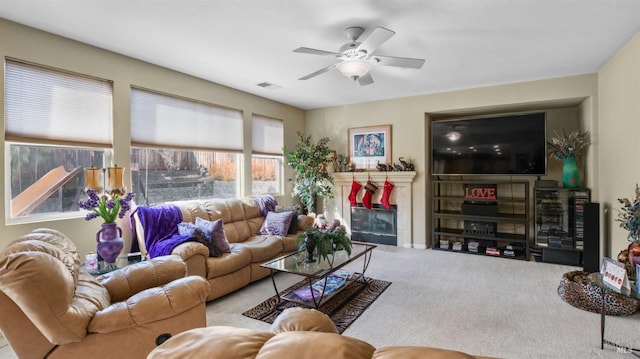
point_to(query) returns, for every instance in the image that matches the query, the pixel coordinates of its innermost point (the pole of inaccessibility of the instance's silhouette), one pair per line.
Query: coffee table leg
(273, 280)
(603, 293)
(317, 303)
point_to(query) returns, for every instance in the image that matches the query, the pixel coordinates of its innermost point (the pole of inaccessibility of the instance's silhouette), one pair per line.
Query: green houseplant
(310, 162)
(325, 242)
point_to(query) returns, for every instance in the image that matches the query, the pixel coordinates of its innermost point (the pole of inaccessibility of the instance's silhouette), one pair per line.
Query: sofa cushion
(303, 319)
(263, 248)
(215, 231)
(277, 223)
(213, 342)
(311, 345)
(239, 257)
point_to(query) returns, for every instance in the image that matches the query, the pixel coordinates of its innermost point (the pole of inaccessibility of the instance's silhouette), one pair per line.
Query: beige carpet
(481, 305)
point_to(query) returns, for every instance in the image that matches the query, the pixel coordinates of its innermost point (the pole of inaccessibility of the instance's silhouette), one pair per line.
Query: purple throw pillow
(276, 224)
(293, 227)
(192, 230)
(215, 231)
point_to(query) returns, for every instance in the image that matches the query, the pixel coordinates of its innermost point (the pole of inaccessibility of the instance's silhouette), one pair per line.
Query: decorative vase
(570, 174)
(634, 254)
(110, 244)
(310, 242)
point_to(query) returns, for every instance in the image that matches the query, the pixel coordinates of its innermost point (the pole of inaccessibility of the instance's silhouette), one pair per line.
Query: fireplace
(401, 199)
(375, 225)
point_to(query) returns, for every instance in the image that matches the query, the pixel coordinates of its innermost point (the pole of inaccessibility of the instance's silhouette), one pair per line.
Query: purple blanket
(266, 202)
(161, 229)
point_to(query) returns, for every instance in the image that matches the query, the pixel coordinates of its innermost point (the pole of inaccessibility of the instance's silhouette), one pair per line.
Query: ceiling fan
(357, 56)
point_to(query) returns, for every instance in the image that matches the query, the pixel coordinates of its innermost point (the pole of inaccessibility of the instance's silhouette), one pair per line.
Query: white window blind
(268, 135)
(167, 121)
(45, 105)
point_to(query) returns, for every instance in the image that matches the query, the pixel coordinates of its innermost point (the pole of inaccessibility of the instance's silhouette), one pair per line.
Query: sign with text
(614, 275)
(480, 192)
(479, 228)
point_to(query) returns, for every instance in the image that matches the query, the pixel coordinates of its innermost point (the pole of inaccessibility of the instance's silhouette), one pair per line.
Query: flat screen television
(498, 145)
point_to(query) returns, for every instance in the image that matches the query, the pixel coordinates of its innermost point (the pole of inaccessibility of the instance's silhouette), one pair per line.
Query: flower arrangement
(629, 216)
(571, 145)
(107, 208)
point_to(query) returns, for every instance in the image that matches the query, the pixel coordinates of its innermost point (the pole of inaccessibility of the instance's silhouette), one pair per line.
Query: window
(56, 123)
(267, 159)
(183, 149)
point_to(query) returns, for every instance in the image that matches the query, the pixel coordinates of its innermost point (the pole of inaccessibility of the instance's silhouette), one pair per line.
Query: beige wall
(35, 46)
(410, 131)
(618, 136)
(610, 95)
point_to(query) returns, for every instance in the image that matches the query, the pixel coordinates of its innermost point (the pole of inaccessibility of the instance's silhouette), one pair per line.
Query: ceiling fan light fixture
(354, 68)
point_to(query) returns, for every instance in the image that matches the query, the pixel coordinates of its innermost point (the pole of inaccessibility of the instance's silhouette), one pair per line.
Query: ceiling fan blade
(319, 72)
(376, 38)
(399, 61)
(365, 79)
(306, 50)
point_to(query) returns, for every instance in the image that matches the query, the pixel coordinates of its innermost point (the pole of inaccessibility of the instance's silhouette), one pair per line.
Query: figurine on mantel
(406, 166)
(389, 167)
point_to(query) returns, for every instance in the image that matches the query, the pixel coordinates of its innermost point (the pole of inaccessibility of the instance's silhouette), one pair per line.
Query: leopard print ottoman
(576, 290)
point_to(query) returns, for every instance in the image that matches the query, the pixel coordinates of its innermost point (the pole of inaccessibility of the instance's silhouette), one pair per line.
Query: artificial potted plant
(324, 242)
(566, 148)
(310, 162)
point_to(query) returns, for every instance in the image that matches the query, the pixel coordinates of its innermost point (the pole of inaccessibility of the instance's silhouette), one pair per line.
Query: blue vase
(570, 174)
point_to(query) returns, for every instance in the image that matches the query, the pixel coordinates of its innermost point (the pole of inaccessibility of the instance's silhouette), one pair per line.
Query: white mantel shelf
(401, 196)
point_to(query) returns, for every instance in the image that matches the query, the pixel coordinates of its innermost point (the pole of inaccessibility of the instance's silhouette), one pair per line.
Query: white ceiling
(240, 43)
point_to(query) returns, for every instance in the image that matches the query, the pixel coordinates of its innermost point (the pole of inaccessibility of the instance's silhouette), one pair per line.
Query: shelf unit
(559, 223)
(504, 227)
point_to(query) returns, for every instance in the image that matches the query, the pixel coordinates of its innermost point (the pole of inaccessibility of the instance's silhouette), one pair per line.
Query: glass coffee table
(606, 290)
(324, 279)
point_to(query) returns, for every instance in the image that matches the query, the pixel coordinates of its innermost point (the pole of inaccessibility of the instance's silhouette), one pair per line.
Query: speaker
(480, 209)
(591, 248)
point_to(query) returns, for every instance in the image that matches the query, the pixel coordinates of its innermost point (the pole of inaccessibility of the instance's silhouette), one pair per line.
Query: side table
(596, 279)
(122, 261)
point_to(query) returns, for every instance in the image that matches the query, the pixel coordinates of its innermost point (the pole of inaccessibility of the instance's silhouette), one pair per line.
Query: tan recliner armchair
(50, 307)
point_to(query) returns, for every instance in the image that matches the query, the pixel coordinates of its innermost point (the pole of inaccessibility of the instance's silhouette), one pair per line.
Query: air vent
(269, 85)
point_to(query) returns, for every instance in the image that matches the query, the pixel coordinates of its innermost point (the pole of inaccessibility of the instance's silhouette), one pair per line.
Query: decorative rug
(343, 308)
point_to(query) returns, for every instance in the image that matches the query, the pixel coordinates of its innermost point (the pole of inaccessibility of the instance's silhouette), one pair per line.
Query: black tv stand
(499, 229)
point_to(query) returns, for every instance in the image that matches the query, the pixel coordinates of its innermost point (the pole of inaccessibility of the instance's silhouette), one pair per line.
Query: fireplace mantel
(401, 196)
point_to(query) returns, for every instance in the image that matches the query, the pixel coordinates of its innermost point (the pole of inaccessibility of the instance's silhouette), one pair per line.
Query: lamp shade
(115, 183)
(92, 178)
(354, 68)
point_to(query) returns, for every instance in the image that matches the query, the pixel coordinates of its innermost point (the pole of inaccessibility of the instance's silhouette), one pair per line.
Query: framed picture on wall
(369, 146)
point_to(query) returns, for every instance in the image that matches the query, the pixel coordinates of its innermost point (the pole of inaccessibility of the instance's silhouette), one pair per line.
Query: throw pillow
(293, 227)
(215, 231)
(276, 224)
(197, 233)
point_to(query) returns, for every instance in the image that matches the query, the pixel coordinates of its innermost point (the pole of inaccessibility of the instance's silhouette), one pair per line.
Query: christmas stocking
(386, 192)
(355, 188)
(370, 189)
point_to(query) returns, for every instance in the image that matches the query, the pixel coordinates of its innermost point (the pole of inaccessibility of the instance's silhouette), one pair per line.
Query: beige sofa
(51, 307)
(297, 333)
(242, 219)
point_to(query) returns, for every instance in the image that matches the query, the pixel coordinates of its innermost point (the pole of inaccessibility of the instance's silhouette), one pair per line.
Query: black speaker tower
(591, 249)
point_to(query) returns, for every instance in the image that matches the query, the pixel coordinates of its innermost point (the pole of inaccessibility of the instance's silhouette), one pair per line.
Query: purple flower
(111, 204)
(109, 208)
(90, 216)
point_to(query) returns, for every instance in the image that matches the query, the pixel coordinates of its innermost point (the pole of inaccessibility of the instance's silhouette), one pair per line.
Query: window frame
(50, 88)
